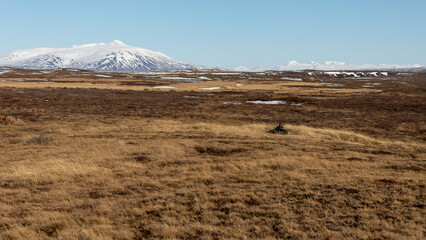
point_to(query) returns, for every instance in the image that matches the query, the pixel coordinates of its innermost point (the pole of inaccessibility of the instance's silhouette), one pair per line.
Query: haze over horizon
(228, 33)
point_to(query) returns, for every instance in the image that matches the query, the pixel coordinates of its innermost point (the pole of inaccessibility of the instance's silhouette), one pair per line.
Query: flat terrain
(187, 155)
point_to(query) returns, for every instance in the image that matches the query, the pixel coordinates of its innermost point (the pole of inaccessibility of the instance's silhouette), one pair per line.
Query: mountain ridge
(327, 65)
(113, 56)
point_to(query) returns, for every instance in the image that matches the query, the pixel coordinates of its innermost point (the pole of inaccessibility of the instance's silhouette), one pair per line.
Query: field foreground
(169, 155)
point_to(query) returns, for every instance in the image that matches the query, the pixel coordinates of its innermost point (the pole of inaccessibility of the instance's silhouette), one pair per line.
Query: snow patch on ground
(176, 78)
(5, 71)
(163, 87)
(374, 84)
(226, 73)
(235, 103)
(351, 73)
(301, 87)
(335, 74)
(333, 84)
(356, 74)
(274, 102)
(210, 88)
(105, 76)
(291, 79)
(332, 73)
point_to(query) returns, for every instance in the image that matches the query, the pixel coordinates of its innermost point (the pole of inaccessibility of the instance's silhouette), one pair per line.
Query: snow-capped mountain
(328, 65)
(114, 56)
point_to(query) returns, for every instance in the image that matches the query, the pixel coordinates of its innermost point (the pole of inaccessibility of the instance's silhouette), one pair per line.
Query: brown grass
(73, 170)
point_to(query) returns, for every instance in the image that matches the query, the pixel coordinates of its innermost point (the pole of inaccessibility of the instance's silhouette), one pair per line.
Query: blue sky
(228, 32)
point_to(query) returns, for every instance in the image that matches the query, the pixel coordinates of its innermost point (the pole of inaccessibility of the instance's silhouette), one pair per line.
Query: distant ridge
(328, 65)
(114, 56)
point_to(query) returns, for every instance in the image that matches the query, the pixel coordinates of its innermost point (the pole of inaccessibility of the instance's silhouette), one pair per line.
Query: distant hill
(328, 65)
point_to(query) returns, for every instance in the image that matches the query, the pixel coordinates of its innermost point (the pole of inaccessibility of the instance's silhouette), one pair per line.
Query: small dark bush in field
(40, 139)
(142, 159)
(218, 151)
(279, 130)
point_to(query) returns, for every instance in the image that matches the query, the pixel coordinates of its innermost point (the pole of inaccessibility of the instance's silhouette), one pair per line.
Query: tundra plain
(187, 155)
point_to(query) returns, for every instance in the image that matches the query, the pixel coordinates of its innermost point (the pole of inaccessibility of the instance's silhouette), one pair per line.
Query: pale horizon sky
(228, 32)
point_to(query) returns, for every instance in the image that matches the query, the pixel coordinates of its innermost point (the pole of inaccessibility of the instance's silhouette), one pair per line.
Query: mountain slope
(112, 56)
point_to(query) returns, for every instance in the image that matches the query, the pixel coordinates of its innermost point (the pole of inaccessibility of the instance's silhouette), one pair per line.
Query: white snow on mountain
(116, 56)
(112, 56)
(328, 65)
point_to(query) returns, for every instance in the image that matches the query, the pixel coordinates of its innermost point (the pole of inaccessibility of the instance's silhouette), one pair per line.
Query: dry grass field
(186, 155)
